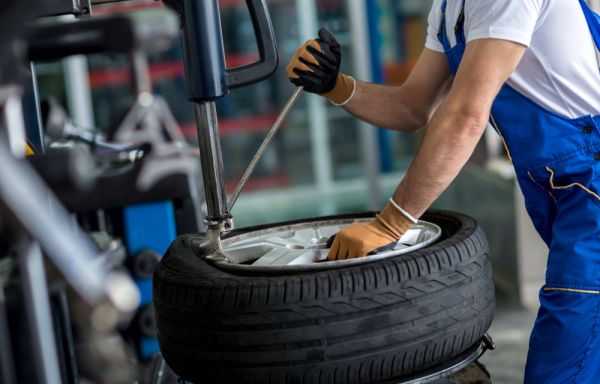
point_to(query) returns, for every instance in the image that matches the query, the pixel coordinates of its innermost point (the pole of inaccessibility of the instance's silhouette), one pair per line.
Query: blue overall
(557, 163)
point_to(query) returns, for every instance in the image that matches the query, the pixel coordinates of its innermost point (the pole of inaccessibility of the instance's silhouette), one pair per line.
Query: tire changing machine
(208, 80)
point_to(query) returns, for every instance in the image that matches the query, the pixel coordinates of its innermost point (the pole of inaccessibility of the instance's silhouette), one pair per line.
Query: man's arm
(316, 67)
(459, 123)
(451, 137)
(407, 107)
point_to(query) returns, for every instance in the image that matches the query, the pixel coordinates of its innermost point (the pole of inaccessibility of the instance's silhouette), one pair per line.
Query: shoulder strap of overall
(442, 34)
(593, 21)
(459, 28)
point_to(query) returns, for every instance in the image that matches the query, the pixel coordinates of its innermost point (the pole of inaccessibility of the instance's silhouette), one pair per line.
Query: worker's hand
(358, 240)
(316, 67)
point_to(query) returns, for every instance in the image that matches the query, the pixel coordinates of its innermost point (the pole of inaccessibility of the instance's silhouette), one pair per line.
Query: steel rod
(263, 146)
(37, 308)
(212, 162)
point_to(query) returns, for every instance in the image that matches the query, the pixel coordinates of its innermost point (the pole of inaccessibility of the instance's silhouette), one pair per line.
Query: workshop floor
(510, 331)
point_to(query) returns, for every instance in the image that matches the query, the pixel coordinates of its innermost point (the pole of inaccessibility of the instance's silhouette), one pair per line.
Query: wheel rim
(303, 246)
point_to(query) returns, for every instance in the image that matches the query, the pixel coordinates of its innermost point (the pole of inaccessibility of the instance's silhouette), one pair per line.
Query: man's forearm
(406, 107)
(385, 106)
(459, 123)
(449, 142)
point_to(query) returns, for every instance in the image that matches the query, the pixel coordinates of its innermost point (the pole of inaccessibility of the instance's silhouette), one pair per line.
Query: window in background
(401, 28)
(343, 129)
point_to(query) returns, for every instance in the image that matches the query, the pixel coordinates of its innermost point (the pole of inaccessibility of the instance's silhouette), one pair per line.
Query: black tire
(362, 324)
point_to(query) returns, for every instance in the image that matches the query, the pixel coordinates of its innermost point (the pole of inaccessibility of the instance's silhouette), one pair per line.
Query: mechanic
(531, 68)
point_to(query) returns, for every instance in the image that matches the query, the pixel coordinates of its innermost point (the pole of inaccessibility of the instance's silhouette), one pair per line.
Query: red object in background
(122, 76)
(111, 9)
(158, 71)
(231, 3)
(242, 124)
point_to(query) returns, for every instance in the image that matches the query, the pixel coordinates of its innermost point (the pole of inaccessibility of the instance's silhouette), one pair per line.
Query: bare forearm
(409, 106)
(385, 106)
(448, 144)
(459, 123)
(315, 66)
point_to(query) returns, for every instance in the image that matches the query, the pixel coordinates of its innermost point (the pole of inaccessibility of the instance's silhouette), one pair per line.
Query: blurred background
(324, 161)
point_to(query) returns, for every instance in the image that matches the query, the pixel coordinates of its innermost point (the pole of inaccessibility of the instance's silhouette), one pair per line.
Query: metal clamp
(431, 376)
(456, 365)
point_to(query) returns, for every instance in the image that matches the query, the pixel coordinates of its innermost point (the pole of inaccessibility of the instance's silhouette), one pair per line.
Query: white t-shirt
(560, 70)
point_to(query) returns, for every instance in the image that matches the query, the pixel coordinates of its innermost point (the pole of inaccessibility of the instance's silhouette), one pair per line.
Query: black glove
(316, 65)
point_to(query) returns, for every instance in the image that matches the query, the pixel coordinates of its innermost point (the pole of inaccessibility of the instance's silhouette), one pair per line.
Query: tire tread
(316, 328)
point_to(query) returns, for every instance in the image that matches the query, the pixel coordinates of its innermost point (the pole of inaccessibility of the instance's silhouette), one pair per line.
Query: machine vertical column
(205, 72)
(212, 162)
(204, 52)
(208, 80)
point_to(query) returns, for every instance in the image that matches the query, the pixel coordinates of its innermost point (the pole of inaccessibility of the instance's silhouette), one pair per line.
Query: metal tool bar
(37, 307)
(25, 196)
(435, 375)
(212, 162)
(12, 119)
(263, 146)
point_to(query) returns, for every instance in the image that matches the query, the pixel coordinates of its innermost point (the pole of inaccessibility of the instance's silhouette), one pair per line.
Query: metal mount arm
(208, 80)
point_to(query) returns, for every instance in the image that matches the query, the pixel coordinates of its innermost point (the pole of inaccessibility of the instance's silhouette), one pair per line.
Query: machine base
(162, 374)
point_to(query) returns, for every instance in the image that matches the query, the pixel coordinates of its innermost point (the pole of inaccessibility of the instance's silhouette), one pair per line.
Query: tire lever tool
(264, 145)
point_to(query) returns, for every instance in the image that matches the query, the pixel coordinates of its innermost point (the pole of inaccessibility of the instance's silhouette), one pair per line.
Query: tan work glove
(316, 67)
(358, 240)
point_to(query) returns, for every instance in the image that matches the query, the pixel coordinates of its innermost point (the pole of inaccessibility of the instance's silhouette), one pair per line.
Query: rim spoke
(310, 256)
(278, 256)
(292, 242)
(304, 244)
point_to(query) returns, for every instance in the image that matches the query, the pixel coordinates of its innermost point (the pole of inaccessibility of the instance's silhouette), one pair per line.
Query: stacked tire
(368, 323)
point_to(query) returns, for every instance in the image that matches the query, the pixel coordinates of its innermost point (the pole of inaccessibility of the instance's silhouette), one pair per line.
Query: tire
(369, 323)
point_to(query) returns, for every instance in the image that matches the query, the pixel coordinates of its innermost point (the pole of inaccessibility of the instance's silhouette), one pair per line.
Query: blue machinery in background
(149, 229)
